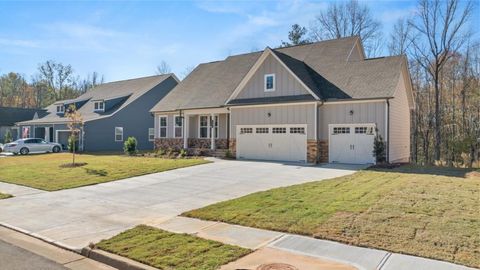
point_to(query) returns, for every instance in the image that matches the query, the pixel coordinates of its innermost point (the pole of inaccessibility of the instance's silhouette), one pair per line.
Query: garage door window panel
(279, 130)
(297, 130)
(262, 130)
(341, 130)
(246, 130)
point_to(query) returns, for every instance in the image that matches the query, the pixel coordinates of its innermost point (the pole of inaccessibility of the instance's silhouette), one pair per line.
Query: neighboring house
(320, 102)
(9, 116)
(111, 112)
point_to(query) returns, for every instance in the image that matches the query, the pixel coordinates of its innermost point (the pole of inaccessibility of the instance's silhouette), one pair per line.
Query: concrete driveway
(76, 217)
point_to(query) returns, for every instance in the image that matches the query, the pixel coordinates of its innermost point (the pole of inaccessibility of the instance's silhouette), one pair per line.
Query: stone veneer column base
(317, 151)
(323, 151)
(233, 147)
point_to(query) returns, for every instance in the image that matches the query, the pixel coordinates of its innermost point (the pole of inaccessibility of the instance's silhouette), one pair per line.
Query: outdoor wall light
(269, 114)
(351, 112)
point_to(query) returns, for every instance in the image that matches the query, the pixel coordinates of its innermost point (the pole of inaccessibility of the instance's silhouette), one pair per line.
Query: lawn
(166, 250)
(5, 196)
(44, 171)
(431, 213)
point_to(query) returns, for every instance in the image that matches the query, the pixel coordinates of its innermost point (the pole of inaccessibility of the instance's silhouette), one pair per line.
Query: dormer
(98, 105)
(60, 108)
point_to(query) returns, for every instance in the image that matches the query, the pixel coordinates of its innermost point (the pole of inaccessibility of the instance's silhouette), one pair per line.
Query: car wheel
(56, 149)
(24, 151)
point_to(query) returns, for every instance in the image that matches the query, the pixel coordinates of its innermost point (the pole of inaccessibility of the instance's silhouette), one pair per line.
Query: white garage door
(351, 143)
(272, 142)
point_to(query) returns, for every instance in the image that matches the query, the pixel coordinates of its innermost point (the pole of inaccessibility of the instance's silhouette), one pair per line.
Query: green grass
(5, 196)
(44, 171)
(430, 212)
(166, 250)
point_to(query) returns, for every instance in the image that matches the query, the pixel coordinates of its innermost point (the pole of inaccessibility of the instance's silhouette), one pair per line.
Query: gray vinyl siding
(285, 83)
(365, 112)
(399, 146)
(281, 115)
(135, 119)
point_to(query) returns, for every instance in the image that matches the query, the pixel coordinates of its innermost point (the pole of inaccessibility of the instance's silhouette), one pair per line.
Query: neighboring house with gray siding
(10, 115)
(319, 102)
(112, 112)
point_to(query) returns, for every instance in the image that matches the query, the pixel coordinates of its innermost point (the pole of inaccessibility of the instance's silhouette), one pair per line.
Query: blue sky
(126, 39)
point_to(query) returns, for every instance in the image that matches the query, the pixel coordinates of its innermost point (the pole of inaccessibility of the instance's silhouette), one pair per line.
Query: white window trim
(208, 126)
(160, 126)
(99, 103)
(118, 134)
(265, 82)
(62, 109)
(175, 126)
(150, 139)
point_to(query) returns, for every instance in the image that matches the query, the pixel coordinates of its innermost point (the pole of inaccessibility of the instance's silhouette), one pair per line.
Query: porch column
(47, 134)
(185, 131)
(212, 131)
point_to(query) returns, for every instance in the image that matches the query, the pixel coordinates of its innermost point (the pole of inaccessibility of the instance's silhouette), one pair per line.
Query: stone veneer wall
(323, 151)
(317, 151)
(177, 143)
(233, 147)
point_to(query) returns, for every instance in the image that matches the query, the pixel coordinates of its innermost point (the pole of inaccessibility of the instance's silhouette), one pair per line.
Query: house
(319, 102)
(111, 113)
(10, 115)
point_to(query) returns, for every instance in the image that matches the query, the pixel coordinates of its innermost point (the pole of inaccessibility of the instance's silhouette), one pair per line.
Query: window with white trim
(246, 130)
(205, 122)
(99, 106)
(162, 127)
(60, 108)
(279, 130)
(203, 126)
(297, 130)
(119, 134)
(151, 134)
(341, 130)
(261, 130)
(178, 126)
(269, 82)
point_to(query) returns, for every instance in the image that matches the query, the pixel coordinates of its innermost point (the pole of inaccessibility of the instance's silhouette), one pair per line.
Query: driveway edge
(114, 260)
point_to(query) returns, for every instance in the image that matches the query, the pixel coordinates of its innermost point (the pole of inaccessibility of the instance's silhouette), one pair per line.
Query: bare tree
(400, 39)
(187, 71)
(58, 77)
(163, 68)
(75, 124)
(92, 80)
(440, 26)
(345, 20)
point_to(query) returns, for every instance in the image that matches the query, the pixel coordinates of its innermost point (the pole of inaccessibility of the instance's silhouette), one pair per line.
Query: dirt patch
(473, 175)
(71, 165)
(276, 266)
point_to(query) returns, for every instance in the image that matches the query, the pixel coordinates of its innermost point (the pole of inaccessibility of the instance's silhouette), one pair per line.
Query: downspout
(228, 128)
(388, 130)
(317, 135)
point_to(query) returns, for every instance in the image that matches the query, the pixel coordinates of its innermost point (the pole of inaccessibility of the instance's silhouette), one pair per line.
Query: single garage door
(351, 143)
(275, 142)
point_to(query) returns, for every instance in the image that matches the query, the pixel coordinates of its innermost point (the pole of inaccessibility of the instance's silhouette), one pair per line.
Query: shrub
(228, 154)
(379, 149)
(8, 137)
(72, 142)
(182, 153)
(130, 146)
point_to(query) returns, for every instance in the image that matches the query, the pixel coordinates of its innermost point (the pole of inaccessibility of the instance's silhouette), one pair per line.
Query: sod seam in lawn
(429, 213)
(44, 171)
(165, 250)
(5, 196)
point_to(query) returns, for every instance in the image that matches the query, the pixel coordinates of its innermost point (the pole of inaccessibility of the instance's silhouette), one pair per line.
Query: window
(269, 82)
(278, 130)
(297, 130)
(246, 130)
(204, 127)
(151, 134)
(162, 127)
(360, 130)
(118, 134)
(99, 106)
(60, 108)
(178, 126)
(341, 130)
(261, 130)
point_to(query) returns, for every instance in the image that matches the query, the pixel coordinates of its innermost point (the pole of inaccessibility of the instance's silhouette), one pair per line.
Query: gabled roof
(129, 89)
(10, 115)
(332, 69)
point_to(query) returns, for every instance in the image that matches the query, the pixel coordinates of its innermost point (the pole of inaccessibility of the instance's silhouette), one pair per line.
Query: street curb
(114, 260)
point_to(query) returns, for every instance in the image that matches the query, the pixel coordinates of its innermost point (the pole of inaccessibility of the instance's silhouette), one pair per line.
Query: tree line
(53, 81)
(444, 65)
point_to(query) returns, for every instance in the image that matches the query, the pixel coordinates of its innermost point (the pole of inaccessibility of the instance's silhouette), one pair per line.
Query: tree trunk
(438, 120)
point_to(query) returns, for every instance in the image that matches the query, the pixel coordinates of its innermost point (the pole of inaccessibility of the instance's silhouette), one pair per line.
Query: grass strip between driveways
(426, 212)
(166, 250)
(44, 171)
(5, 196)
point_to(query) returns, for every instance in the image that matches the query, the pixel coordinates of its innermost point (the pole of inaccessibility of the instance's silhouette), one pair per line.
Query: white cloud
(19, 43)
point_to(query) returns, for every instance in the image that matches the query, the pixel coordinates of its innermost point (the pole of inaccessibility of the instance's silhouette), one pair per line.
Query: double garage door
(272, 142)
(351, 143)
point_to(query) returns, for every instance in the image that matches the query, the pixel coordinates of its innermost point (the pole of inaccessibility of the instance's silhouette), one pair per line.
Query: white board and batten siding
(399, 125)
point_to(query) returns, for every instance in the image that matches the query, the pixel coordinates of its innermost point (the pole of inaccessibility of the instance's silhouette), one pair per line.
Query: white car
(31, 145)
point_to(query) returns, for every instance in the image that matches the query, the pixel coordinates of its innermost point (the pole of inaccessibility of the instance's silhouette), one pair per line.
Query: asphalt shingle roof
(324, 67)
(129, 90)
(10, 115)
